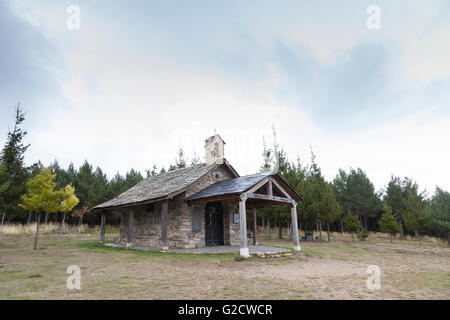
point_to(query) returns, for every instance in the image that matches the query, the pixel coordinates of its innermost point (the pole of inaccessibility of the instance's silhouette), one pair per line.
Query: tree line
(350, 202)
(91, 185)
(347, 203)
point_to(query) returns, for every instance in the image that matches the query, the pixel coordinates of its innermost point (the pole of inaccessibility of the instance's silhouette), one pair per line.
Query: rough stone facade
(214, 149)
(147, 218)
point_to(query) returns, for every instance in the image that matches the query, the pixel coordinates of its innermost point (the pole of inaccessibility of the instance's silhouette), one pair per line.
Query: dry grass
(49, 228)
(347, 236)
(30, 229)
(323, 270)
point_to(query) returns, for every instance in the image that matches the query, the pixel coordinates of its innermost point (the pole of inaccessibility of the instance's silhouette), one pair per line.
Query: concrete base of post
(244, 252)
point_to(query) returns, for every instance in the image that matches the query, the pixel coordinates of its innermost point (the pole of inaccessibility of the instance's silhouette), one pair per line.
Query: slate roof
(235, 185)
(159, 186)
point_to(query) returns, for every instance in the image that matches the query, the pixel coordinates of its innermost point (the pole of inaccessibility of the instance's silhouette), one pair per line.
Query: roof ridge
(175, 170)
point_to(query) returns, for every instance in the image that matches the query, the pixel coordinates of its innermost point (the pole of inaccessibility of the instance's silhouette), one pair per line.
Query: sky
(140, 79)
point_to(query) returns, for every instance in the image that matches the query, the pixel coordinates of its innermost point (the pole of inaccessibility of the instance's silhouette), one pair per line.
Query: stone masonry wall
(234, 227)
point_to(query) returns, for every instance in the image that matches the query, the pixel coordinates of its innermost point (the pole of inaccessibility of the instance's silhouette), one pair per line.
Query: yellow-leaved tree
(42, 197)
(69, 201)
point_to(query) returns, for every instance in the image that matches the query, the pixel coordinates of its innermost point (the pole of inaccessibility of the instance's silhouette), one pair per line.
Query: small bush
(362, 234)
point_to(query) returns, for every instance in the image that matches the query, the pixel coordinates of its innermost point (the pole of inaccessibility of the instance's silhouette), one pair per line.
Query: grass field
(323, 270)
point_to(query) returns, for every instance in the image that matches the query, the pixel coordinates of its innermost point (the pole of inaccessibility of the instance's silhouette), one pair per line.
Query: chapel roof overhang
(261, 190)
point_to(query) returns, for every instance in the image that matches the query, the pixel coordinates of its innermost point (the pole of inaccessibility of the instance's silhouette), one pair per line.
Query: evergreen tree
(180, 161)
(319, 205)
(116, 186)
(356, 192)
(440, 213)
(85, 184)
(341, 193)
(416, 218)
(351, 223)
(195, 159)
(5, 181)
(396, 196)
(331, 209)
(389, 222)
(267, 158)
(152, 172)
(12, 157)
(132, 178)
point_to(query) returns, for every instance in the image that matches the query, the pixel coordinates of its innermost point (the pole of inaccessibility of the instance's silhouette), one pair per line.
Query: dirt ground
(322, 270)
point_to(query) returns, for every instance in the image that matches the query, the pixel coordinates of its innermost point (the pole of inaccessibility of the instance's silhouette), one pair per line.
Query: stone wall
(221, 173)
(234, 228)
(147, 226)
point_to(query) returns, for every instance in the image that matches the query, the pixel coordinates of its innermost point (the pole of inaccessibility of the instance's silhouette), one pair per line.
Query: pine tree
(397, 193)
(152, 172)
(416, 218)
(319, 205)
(440, 213)
(5, 181)
(389, 222)
(132, 178)
(85, 185)
(351, 223)
(341, 193)
(267, 156)
(195, 160)
(12, 157)
(356, 192)
(180, 161)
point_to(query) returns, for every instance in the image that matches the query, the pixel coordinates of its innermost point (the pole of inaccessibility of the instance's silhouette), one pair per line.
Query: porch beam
(258, 185)
(102, 227)
(130, 239)
(164, 219)
(243, 227)
(282, 189)
(295, 227)
(269, 198)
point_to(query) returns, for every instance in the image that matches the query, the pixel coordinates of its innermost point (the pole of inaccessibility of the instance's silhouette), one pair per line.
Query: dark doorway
(214, 224)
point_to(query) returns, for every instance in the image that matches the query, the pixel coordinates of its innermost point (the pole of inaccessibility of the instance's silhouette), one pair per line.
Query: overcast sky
(142, 78)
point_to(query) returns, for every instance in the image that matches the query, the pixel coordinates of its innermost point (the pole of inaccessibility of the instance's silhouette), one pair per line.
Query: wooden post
(255, 228)
(130, 228)
(102, 227)
(164, 218)
(295, 227)
(280, 228)
(243, 226)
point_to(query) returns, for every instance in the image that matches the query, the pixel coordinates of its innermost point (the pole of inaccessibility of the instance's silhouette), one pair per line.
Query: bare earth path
(323, 270)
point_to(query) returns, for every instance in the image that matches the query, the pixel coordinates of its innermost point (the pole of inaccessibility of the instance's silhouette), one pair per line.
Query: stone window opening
(196, 219)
